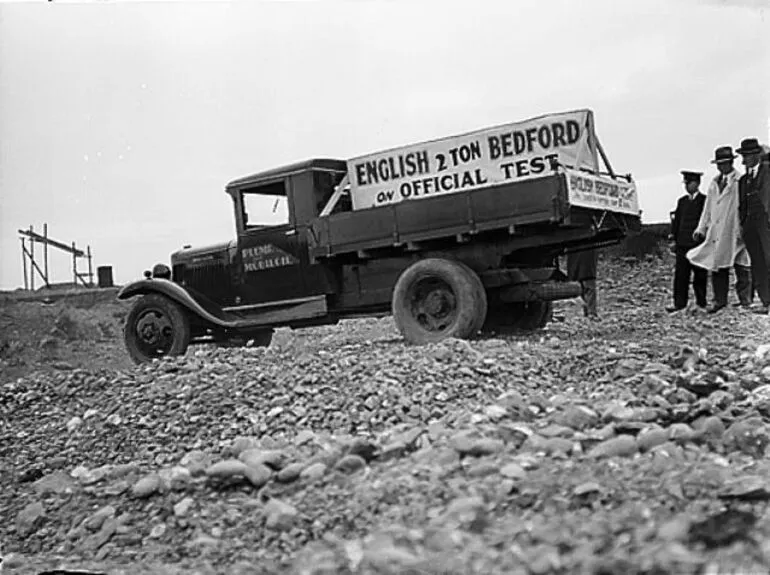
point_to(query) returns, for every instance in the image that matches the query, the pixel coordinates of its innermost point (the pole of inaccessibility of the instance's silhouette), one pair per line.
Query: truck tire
(481, 299)
(437, 298)
(519, 316)
(156, 327)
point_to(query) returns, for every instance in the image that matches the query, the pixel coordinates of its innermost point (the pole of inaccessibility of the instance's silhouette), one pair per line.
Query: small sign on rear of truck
(601, 193)
(489, 157)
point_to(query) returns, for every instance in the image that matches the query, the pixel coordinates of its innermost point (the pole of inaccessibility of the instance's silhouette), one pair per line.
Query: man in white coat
(719, 227)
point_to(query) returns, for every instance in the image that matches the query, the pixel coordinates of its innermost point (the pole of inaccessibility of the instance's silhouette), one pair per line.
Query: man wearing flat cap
(754, 214)
(719, 230)
(685, 221)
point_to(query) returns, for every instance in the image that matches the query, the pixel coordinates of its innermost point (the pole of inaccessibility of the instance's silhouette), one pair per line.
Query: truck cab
(273, 211)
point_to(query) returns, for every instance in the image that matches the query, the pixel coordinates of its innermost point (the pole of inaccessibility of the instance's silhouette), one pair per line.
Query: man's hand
(698, 237)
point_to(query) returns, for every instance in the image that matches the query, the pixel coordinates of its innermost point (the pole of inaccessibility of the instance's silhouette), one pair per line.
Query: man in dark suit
(683, 226)
(754, 214)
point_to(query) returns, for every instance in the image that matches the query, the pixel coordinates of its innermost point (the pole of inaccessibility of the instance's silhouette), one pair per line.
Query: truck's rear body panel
(545, 200)
(466, 212)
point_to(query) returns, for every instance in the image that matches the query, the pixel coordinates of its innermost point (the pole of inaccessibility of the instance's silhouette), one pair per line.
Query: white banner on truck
(489, 157)
(601, 193)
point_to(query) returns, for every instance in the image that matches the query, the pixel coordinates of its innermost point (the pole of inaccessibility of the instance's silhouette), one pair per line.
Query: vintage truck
(453, 237)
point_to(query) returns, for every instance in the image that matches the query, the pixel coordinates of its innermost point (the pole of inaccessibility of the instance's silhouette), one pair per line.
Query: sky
(121, 122)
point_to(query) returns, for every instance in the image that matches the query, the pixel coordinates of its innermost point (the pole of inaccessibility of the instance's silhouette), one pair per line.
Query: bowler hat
(749, 146)
(723, 154)
(690, 176)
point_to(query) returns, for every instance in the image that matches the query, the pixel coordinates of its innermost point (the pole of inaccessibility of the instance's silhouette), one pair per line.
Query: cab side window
(265, 206)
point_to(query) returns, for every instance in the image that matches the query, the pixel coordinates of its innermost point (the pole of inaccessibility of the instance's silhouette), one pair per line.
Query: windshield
(261, 210)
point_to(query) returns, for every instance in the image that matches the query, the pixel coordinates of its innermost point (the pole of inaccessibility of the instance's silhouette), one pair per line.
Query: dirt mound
(62, 335)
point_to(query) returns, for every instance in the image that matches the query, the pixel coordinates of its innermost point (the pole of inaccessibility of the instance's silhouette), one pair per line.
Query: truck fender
(172, 291)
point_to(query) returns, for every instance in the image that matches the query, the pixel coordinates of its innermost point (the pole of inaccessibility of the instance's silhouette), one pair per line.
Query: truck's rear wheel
(436, 298)
(156, 327)
(518, 316)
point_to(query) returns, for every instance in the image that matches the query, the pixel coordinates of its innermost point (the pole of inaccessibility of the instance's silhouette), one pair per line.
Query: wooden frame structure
(28, 254)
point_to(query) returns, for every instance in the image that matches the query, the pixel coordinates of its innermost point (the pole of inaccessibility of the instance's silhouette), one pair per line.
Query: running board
(276, 312)
(269, 304)
(238, 317)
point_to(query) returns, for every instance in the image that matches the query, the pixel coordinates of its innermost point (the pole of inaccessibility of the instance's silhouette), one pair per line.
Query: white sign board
(601, 193)
(488, 157)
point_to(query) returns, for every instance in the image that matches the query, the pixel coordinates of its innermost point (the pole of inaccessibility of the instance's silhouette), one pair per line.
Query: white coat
(719, 223)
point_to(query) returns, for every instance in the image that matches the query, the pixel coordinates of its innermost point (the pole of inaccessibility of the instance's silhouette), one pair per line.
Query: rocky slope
(635, 444)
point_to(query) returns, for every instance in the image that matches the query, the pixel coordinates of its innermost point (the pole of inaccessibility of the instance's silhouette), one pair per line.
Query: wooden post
(32, 260)
(45, 252)
(74, 265)
(90, 268)
(33, 264)
(24, 262)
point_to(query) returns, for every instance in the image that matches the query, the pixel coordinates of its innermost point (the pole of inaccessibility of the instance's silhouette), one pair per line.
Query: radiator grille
(211, 279)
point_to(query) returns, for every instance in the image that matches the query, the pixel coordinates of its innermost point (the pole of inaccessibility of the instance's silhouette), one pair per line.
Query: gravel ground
(633, 444)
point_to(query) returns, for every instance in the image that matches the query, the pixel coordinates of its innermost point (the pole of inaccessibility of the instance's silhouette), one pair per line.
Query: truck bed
(504, 207)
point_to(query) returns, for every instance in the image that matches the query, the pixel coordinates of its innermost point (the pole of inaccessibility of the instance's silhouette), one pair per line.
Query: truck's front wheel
(155, 327)
(436, 298)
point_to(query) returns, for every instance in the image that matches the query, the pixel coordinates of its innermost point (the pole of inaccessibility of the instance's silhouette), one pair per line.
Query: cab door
(270, 265)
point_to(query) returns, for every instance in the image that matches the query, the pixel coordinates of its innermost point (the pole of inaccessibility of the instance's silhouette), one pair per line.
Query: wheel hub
(154, 329)
(436, 303)
(433, 304)
(149, 332)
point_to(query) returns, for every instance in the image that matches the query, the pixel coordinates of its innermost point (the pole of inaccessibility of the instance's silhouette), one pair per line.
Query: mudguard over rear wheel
(437, 298)
(156, 327)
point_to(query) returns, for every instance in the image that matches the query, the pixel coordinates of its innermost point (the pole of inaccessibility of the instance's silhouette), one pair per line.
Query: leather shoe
(764, 310)
(715, 308)
(673, 308)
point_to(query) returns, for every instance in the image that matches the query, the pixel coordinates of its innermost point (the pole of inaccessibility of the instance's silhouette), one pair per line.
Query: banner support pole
(604, 158)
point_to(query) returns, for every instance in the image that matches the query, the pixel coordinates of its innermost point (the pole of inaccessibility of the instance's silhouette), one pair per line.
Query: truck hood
(203, 253)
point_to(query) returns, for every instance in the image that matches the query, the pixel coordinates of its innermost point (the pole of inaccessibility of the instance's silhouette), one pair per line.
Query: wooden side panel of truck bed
(532, 201)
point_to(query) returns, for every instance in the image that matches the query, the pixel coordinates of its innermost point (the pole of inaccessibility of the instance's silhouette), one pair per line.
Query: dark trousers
(682, 273)
(588, 294)
(756, 235)
(720, 282)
